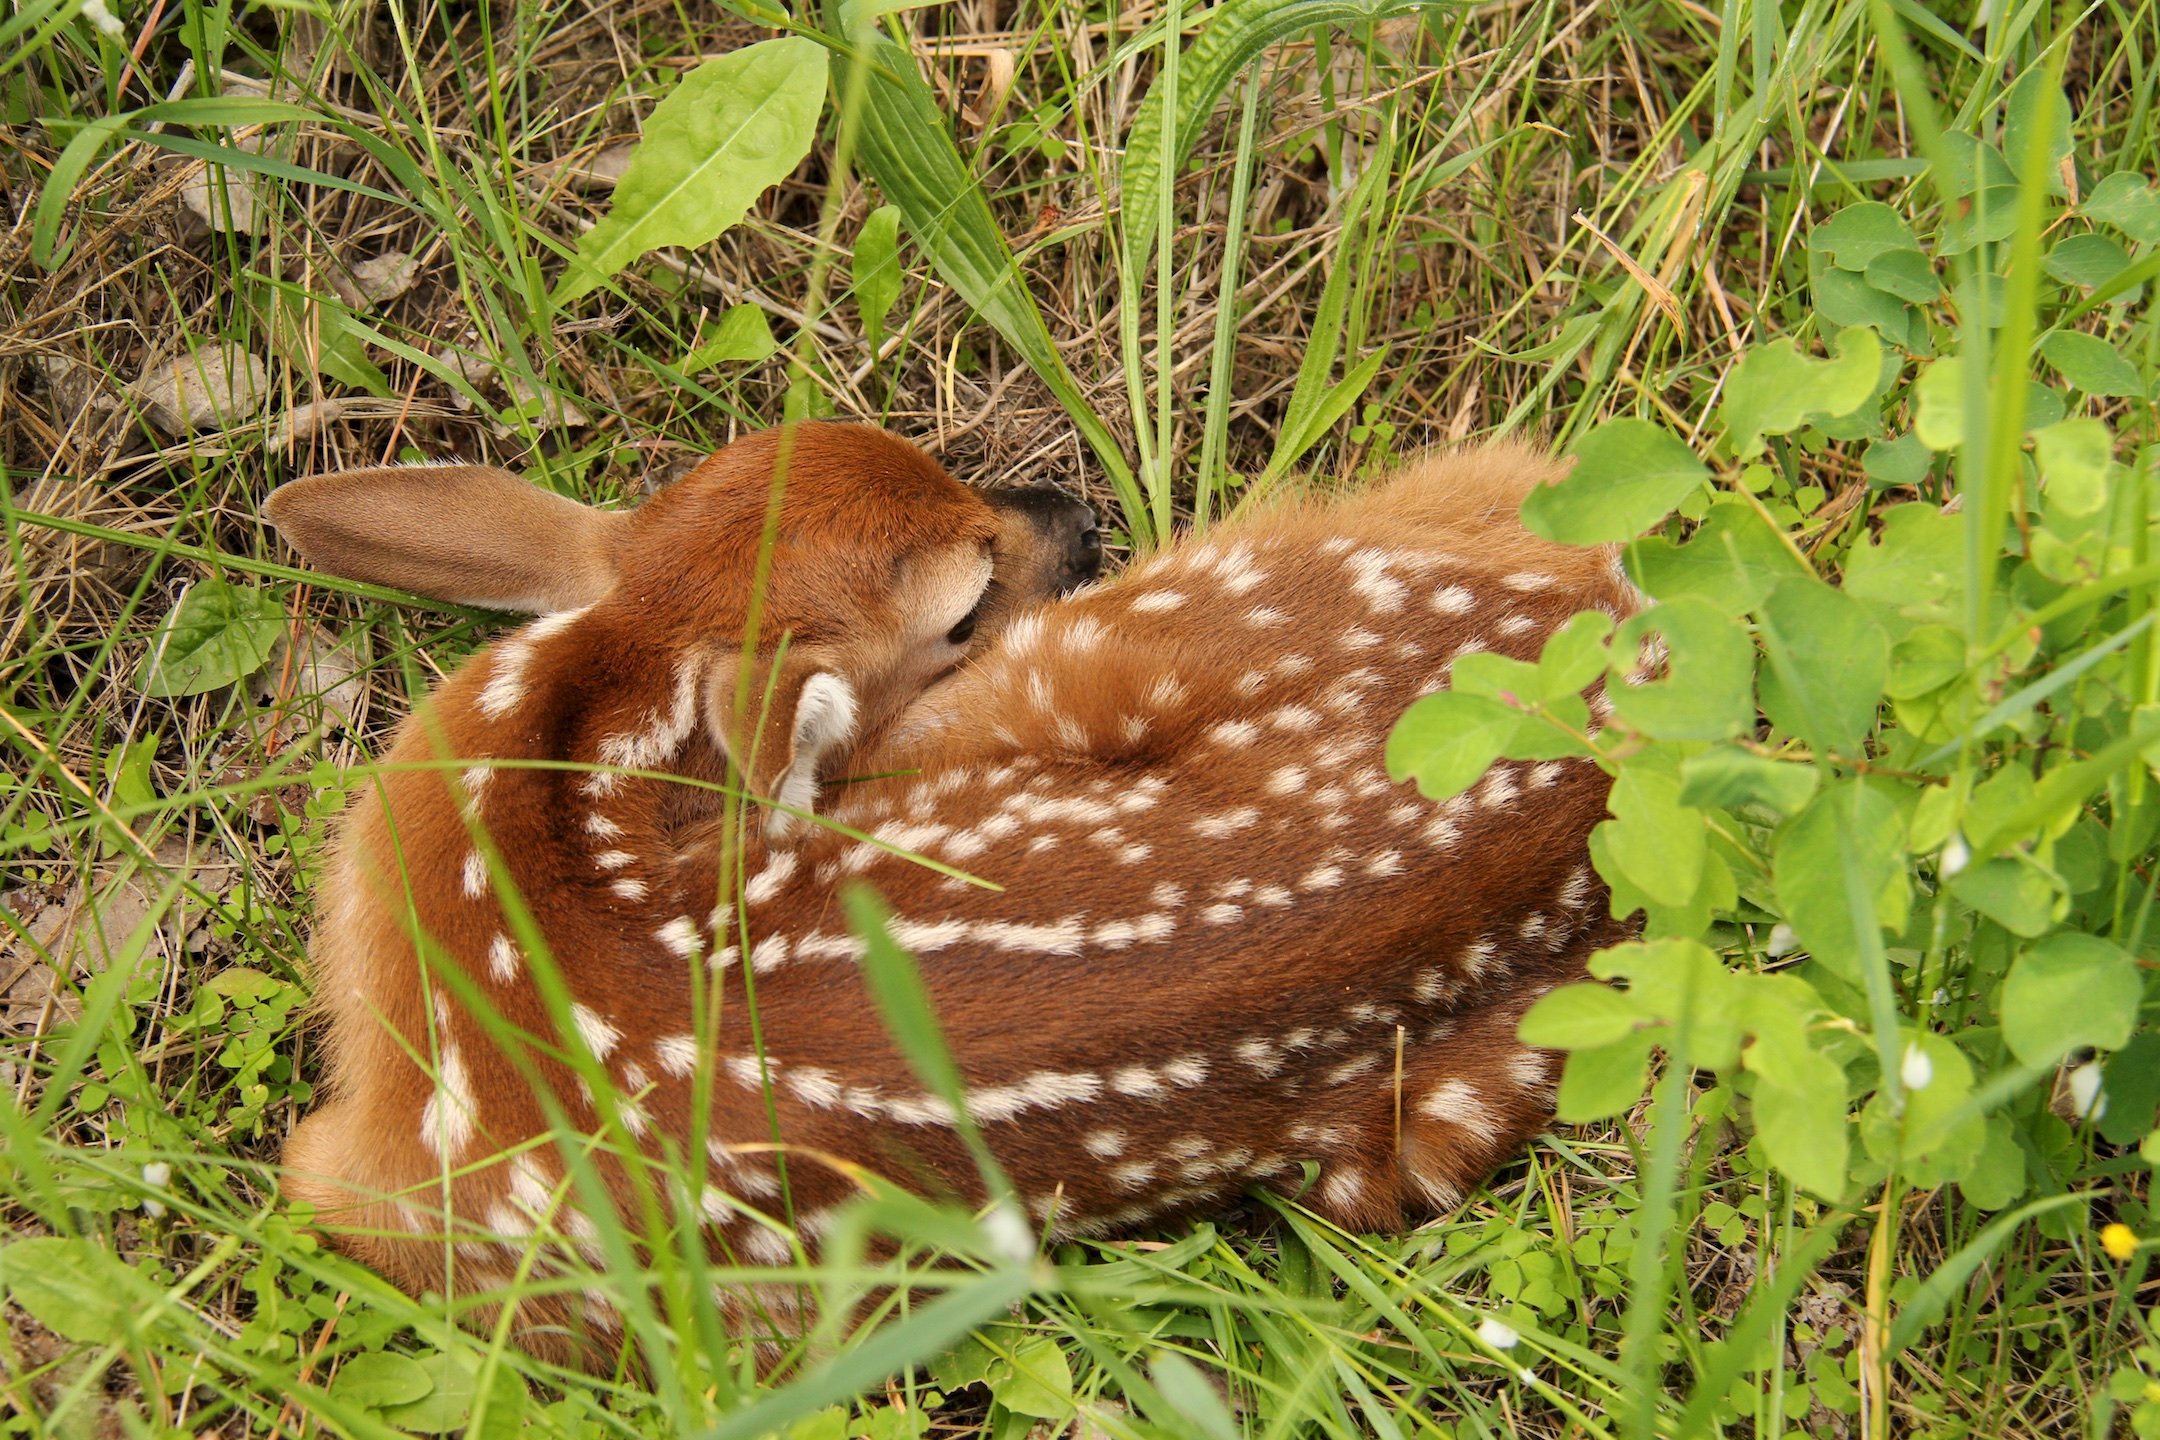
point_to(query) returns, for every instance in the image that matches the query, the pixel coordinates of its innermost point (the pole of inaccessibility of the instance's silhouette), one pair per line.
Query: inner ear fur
(810, 714)
(469, 534)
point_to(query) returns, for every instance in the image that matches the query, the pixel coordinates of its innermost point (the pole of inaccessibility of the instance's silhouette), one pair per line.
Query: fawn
(1226, 945)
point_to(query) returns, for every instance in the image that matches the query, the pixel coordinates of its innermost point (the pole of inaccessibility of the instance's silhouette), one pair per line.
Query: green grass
(1441, 197)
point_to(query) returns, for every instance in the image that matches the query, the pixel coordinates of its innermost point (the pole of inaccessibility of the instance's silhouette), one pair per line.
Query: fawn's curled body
(1226, 944)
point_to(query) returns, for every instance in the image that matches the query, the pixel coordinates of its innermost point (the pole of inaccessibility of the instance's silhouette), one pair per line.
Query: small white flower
(1009, 1234)
(1940, 997)
(1497, 1333)
(2086, 1097)
(1956, 855)
(1917, 1071)
(1782, 940)
(95, 12)
(157, 1175)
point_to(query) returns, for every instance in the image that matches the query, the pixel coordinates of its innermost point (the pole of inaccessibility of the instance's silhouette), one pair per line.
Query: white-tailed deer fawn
(1225, 944)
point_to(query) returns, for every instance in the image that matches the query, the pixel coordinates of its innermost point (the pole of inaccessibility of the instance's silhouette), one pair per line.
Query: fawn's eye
(963, 632)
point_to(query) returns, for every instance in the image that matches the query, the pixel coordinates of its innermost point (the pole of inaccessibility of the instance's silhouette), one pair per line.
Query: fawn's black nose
(1064, 528)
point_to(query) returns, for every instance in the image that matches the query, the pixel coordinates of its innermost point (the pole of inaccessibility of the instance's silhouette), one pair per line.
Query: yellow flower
(2119, 1240)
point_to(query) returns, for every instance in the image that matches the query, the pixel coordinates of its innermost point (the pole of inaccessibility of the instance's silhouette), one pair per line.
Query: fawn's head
(885, 573)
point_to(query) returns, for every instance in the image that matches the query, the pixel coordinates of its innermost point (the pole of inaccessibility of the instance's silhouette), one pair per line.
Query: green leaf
(1328, 409)
(1828, 660)
(219, 634)
(907, 148)
(2127, 201)
(2132, 1085)
(1580, 1017)
(454, 1389)
(1997, 1177)
(1574, 656)
(1775, 390)
(76, 1289)
(1939, 394)
(1903, 461)
(1857, 234)
(1907, 274)
(1727, 776)
(2089, 261)
(2028, 99)
(1706, 693)
(1448, 740)
(742, 336)
(1843, 298)
(1928, 658)
(1804, 1131)
(2090, 364)
(1188, 1392)
(2068, 991)
(379, 1379)
(1604, 1081)
(2074, 458)
(1916, 564)
(2011, 893)
(1942, 1135)
(1658, 843)
(1732, 560)
(1991, 218)
(1628, 475)
(1808, 870)
(877, 272)
(1040, 1382)
(730, 129)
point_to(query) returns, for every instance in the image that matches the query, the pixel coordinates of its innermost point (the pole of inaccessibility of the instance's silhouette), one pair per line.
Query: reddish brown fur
(1217, 913)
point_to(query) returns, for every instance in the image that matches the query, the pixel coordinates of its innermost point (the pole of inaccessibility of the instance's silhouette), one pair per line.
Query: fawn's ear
(809, 719)
(468, 534)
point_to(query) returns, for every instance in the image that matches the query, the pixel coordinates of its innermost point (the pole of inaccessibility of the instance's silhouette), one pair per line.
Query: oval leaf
(1628, 474)
(219, 634)
(2067, 991)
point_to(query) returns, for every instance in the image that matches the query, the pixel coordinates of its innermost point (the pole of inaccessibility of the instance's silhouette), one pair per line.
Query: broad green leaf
(1844, 299)
(2132, 1084)
(1916, 564)
(877, 272)
(1604, 1081)
(1658, 843)
(2074, 457)
(1858, 233)
(1448, 740)
(1580, 1017)
(1828, 660)
(1774, 390)
(2011, 893)
(1928, 658)
(2029, 99)
(1940, 1136)
(1972, 163)
(1705, 693)
(2127, 201)
(1494, 676)
(1727, 776)
(2089, 261)
(1991, 218)
(1808, 867)
(1907, 274)
(75, 1288)
(742, 336)
(2090, 364)
(907, 147)
(1939, 393)
(1574, 655)
(1803, 1127)
(1903, 461)
(219, 634)
(1997, 1177)
(454, 1390)
(1628, 475)
(1732, 560)
(2068, 991)
(381, 1378)
(1040, 1381)
(733, 127)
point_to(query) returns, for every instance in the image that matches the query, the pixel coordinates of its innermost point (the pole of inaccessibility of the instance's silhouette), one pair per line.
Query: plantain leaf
(877, 272)
(734, 126)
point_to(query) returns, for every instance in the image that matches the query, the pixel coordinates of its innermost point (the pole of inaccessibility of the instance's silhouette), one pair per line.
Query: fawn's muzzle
(1059, 536)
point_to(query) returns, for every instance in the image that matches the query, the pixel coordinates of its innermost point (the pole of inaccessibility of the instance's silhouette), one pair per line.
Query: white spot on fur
(764, 885)
(502, 959)
(1454, 600)
(599, 1036)
(475, 877)
(1157, 602)
(677, 1054)
(680, 935)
